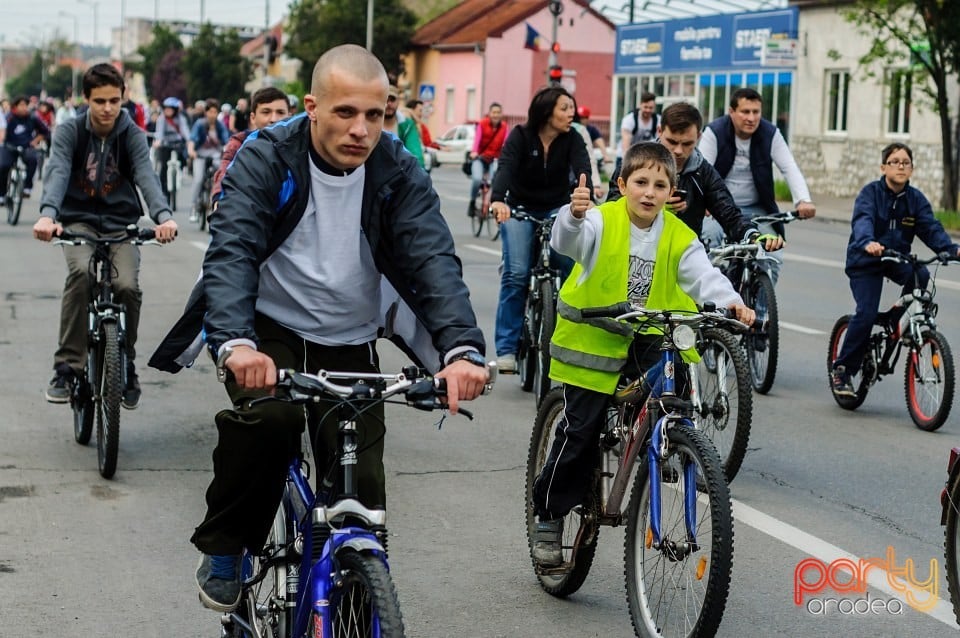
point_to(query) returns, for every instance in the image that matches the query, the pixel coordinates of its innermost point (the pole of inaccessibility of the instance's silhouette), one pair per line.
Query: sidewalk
(829, 208)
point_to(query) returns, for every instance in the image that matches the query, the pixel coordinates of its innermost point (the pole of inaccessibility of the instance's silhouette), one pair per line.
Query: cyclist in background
(743, 147)
(102, 201)
(207, 139)
(270, 105)
(24, 130)
(629, 249)
(402, 126)
(888, 213)
(487, 145)
(534, 172)
(170, 135)
(316, 215)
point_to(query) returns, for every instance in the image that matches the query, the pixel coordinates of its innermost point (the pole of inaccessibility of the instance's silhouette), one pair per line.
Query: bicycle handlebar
(626, 311)
(889, 254)
(520, 214)
(135, 235)
(785, 217)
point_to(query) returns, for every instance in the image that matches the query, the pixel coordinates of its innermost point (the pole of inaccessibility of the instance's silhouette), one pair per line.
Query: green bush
(782, 191)
(949, 218)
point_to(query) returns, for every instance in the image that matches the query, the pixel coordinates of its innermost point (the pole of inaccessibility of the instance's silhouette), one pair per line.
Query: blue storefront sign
(719, 42)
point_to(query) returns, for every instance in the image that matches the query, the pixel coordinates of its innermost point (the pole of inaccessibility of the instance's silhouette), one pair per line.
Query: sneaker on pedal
(218, 578)
(131, 393)
(61, 385)
(840, 382)
(547, 550)
(507, 364)
(27, 192)
(3, 200)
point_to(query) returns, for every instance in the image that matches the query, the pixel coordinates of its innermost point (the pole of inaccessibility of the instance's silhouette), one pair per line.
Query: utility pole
(266, 41)
(556, 8)
(369, 25)
(76, 54)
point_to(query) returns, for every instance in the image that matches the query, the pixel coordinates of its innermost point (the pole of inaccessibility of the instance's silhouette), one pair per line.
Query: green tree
(164, 41)
(318, 25)
(214, 66)
(41, 75)
(923, 35)
(168, 79)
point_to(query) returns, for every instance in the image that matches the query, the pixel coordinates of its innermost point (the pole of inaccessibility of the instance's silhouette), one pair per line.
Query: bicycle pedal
(559, 570)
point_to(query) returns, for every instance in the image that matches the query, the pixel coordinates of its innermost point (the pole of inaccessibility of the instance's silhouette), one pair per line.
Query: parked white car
(455, 143)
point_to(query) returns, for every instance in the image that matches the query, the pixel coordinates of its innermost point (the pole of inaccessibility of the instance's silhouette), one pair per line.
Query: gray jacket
(101, 190)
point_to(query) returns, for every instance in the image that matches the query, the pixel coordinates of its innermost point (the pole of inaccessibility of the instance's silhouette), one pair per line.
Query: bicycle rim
(929, 381)
(763, 345)
(860, 381)
(725, 398)
(674, 592)
(580, 527)
(951, 545)
(364, 604)
(108, 414)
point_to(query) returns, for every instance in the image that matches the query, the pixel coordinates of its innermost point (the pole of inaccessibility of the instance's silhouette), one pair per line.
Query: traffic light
(555, 47)
(555, 74)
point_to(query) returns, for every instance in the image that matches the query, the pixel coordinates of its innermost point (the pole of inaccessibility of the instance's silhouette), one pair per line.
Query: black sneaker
(131, 393)
(840, 382)
(218, 578)
(547, 550)
(61, 385)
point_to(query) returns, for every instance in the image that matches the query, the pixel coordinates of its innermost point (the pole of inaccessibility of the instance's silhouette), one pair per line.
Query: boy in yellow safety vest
(627, 249)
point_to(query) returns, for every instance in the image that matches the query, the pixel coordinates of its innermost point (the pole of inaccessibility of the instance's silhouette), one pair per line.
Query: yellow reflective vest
(589, 353)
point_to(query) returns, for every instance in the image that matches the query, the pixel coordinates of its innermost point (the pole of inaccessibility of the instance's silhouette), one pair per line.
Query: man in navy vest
(743, 147)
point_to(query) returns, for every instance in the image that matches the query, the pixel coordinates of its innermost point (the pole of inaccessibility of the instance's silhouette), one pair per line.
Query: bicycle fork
(657, 452)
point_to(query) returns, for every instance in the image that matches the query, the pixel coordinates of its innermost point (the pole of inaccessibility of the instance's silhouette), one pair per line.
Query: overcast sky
(23, 22)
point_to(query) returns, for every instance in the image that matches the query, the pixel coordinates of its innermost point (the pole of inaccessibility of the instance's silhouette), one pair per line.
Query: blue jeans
(518, 239)
(476, 175)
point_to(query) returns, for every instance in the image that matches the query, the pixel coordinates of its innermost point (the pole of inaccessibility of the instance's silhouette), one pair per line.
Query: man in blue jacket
(320, 216)
(888, 213)
(23, 130)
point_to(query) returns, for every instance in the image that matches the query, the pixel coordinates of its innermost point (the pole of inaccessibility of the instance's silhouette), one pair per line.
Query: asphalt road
(86, 557)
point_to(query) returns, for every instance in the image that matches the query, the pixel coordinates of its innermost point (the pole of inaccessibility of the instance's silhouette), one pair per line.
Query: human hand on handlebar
(806, 210)
(874, 249)
(501, 210)
(580, 200)
(743, 314)
(166, 232)
(465, 382)
(46, 229)
(252, 369)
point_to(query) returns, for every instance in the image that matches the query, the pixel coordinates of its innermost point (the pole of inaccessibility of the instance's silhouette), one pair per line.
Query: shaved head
(347, 58)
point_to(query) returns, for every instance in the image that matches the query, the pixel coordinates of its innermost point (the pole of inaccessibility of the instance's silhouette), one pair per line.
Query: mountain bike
(170, 173)
(678, 548)
(14, 187)
(323, 570)
(204, 206)
(746, 264)
(482, 215)
(98, 392)
(950, 518)
(910, 326)
(540, 310)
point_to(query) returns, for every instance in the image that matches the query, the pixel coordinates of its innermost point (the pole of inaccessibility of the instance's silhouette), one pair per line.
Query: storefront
(702, 60)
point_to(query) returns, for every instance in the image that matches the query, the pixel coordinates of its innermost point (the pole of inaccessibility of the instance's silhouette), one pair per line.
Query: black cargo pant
(568, 472)
(256, 444)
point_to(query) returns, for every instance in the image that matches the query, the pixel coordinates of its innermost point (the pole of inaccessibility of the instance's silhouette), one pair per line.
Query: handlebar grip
(615, 310)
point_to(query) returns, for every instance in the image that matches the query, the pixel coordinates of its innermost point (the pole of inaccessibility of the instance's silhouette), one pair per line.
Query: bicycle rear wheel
(580, 528)
(680, 589)
(478, 219)
(14, 196)
(929, 381)
(860, 381)
(365, 602)
(762, 344)
(108, 404)
(548, 321)
(951, 545)
(725, 411)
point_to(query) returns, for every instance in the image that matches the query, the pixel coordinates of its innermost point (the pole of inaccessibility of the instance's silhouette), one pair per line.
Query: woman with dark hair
(541, 161)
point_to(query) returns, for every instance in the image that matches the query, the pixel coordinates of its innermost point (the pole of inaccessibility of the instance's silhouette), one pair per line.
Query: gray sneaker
(547, 550)
(61, 385)
(507, 364)
(218, 578)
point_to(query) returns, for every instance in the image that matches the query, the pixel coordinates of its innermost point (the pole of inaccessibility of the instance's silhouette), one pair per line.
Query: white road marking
(876, 577)
(801, 329)
(484, 249)
(832, 263)
(202, 245)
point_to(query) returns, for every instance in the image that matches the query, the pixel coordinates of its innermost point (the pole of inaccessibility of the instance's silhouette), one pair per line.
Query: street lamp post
(94, 4)
(76, 55)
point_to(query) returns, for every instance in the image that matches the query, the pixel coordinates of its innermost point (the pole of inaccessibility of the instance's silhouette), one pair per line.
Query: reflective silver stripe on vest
(570, 313)
(583, 360)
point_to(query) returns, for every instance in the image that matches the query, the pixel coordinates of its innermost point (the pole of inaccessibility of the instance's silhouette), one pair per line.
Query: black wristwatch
(472, 356)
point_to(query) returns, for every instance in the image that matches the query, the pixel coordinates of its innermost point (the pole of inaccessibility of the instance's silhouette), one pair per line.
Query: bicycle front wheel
(477, 219)
(928, 381)
(762, 343)
(526, 354)
(951, 545)
(580, 528)
(364, 604)
(548, 321)
(680, 589)
(724, 409)
(108, 409)
(14, 197)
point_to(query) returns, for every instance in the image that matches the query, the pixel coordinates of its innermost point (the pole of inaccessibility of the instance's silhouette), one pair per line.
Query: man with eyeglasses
(888, 213)
(743, 147)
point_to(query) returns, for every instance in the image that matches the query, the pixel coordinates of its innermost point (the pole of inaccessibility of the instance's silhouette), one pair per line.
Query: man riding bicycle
(487, 145)
(104, 202)
(324, 227)
(24, 130)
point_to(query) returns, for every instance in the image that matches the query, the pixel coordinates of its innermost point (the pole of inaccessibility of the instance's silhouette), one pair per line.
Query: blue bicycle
(678, 548)
(323, 570)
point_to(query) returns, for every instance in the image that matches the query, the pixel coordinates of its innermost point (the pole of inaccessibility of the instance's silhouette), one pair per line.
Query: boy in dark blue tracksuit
(888, 213)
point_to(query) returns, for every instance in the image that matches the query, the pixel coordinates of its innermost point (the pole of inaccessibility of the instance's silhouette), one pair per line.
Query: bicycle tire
(476, 222)
(108, 413)
(860, 382)
(8, 193)
(14, 196)
(264, 603)
(581, 528)
(493, 228)
(928, 381)
(951, 544)
(762, 346)
(526, 361)
(548, 322)
(81, 401)
(669, 573)
(726, 402)
(364, 603)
